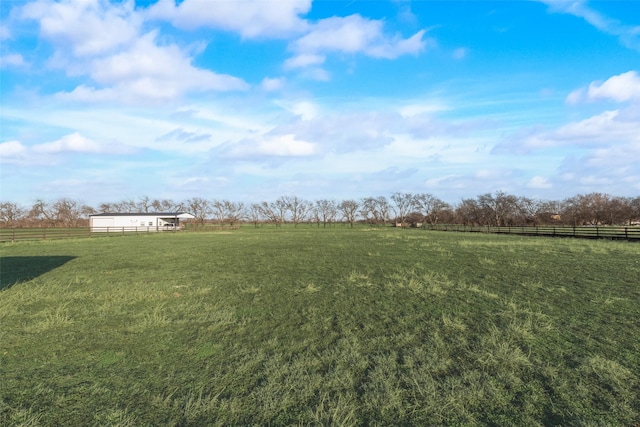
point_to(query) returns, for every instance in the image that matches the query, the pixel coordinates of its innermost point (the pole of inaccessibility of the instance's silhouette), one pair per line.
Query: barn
(157, 221)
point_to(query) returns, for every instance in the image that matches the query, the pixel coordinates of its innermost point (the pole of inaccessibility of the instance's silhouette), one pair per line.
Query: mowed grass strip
(310, 326)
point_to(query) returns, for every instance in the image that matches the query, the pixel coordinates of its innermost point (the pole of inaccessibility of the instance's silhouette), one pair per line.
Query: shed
(156, 221)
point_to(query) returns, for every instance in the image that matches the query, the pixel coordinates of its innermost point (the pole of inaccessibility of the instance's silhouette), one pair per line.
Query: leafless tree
(498, 209)
(144, 204)
(11, 213)
(369, 210)
(404, 203)
(430, 207)
(468, 212)
(268, 212)
(227, 211)
(326, 211)
(349, 209)
(255, 214)
(280, 207)
(199, 208)
(166, 205)
(298, 208)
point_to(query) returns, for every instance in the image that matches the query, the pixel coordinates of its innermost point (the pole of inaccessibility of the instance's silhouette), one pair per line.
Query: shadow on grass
(16, 269)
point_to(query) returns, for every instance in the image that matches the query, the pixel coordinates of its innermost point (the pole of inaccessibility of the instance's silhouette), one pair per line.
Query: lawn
(311, 326)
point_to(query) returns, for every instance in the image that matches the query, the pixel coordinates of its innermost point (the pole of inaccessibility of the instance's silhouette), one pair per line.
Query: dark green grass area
(309, 326)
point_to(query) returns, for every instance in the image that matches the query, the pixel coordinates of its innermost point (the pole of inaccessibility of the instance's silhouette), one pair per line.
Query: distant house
(157, 221)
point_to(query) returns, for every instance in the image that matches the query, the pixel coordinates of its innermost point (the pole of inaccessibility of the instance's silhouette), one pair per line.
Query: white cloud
(304, 60)
(87, 27)
(355, 34)
(271, 146)
(575, 97)
(15, 152)
(12, 60)
(539, 182)
(149, 72)
(102, 40)
(628, 35)
(620, 88)
(12, 151)
(604, 129)
(272, 84)
(249, 18)
(69, 143)
(5, 33)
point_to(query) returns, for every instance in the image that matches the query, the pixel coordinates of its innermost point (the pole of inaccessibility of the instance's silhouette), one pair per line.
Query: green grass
(320, 327)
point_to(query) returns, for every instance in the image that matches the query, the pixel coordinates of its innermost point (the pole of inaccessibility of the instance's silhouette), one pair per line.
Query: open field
(320, 326)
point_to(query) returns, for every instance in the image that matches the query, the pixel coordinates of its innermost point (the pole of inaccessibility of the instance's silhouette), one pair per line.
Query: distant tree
(63, 212)
(255, 214)
(404, 203)
(326, 211)
(268, 212)
(589, 209)
(280, 207)
(236, 212)
(375, 210)
(166, 205)
(469, 212)
(43, 213)
(199, 208)
(69, 212)
(227, 211)
(349, 209)
(430, 207)
(297, 208)
(11, 213)
(384, 209)
(144, 204)
(634, 209)
(499, 209)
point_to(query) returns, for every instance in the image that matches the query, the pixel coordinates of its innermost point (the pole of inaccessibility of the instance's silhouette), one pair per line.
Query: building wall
(126, 223)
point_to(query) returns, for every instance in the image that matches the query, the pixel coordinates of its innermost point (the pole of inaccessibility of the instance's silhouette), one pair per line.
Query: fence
(586, 232)
(14, 234)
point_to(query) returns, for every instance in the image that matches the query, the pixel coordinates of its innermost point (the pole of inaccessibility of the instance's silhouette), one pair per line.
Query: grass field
(313, 326)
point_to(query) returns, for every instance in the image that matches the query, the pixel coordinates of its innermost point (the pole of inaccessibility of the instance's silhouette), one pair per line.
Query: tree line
(401, 209)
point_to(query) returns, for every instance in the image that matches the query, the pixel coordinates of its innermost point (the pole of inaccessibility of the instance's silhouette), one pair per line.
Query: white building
(158, 221)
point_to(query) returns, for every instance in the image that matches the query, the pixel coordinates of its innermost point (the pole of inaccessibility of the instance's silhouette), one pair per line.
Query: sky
(250, 100)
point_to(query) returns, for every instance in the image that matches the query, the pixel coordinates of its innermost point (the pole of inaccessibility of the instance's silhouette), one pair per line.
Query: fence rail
(585, 232)
(14, 234)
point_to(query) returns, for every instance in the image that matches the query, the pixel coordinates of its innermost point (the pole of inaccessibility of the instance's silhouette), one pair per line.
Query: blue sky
(251, 100)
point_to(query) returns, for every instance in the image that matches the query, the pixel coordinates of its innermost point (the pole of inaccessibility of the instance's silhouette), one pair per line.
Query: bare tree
(349, 209)
(165, 205)
(144, 204)
(430, 207)
(43, 213)
(384, 209)
(280, 207)
(227, 211)
(199, 208)
(268, 212)
(235, 212)
(255, 214)
(369, 210)
(11, 213)
(326, 211)
(404, 203)
(469, 212)
(297, 208)
(498, 210)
